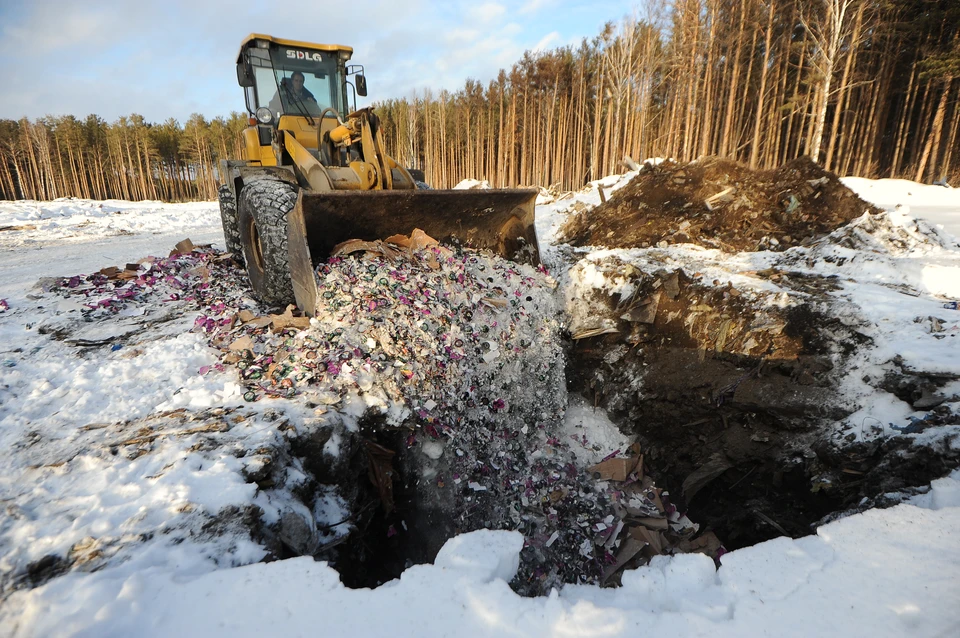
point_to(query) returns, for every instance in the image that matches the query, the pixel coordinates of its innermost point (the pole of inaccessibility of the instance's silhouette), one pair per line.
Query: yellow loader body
(313, 174)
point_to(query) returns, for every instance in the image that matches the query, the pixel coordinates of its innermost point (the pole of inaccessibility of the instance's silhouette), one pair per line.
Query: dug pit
(732, 388)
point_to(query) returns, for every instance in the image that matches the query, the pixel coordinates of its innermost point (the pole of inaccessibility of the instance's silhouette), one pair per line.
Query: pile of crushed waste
(435, 379)
(719, 203)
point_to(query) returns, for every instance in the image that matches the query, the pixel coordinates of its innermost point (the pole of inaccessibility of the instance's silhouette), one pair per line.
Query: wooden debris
(219, 426)
(702, 476)
(723, 197)
(722, 334)
(594, 332)
(380, 470)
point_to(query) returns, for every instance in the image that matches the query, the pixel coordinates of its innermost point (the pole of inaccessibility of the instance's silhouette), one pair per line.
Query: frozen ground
(884, 572)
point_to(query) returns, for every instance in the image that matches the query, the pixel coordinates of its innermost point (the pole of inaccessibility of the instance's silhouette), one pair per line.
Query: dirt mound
(719, 203)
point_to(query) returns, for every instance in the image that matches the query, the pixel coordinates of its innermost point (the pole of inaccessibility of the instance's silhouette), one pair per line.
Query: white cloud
(461, 36)
(486, 13)
(171, 58)
(63, 28)
(546, 41)
(533, 6)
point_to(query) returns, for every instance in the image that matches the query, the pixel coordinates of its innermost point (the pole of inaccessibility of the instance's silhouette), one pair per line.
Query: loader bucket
(496, 220)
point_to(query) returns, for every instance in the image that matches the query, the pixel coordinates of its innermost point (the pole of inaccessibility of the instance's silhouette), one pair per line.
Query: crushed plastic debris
(459, 348)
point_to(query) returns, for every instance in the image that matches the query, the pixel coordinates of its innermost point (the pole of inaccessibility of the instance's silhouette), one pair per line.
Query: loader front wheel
(230, 222)
(264, 205)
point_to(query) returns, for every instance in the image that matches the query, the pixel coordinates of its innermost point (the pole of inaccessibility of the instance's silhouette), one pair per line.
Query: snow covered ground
(883, 572)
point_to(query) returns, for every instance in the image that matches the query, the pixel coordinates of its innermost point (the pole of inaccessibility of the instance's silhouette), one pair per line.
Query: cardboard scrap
(260, 322)
(417, 240)
(201, 272)
(628, 549)
(398, 240)
(184, 247)
(359, 245)
(707, 543)
(652, 538)
(499, 303)
(614, 469)
(243, 343)
(245, 315)
(658, 524)
(287, 320)
(671, 285)
(645, 311)
(420, 240)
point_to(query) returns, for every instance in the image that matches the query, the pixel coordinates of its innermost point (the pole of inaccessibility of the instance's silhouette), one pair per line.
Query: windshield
(300, 82)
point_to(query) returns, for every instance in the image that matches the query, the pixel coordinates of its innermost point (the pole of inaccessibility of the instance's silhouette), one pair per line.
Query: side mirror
(244, 77)
(361, 86)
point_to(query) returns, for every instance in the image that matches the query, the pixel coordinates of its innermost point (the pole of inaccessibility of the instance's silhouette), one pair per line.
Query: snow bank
(936, 204)
(882, 573)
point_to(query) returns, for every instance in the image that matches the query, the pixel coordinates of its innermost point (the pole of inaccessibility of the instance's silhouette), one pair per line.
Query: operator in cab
(297, 92)
(297, 98)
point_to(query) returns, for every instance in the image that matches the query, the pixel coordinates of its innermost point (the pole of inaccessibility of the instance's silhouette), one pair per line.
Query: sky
(174, 58)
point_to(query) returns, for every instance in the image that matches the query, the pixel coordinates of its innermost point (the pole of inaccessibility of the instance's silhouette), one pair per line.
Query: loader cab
(266, 67)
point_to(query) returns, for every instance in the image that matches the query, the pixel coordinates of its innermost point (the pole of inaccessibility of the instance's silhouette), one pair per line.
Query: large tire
(264, 205)
(230, 222)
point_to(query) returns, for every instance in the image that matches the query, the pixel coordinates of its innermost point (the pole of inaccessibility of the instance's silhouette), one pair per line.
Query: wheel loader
(314, 173)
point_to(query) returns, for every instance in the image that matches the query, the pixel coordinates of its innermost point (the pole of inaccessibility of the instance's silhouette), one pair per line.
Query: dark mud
(729, 398)
(719, 203)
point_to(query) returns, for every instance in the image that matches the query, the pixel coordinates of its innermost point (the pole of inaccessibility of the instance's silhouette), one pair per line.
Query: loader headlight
(264, 115)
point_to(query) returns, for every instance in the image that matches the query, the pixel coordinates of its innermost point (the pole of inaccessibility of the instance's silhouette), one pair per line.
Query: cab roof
(290, 43)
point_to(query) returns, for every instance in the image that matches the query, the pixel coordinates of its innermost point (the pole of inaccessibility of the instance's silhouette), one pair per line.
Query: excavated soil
(728, 398)
(719, 203)
(729, 390)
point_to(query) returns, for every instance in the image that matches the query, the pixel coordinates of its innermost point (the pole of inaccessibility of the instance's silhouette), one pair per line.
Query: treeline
(128, 159)
(867, 87)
